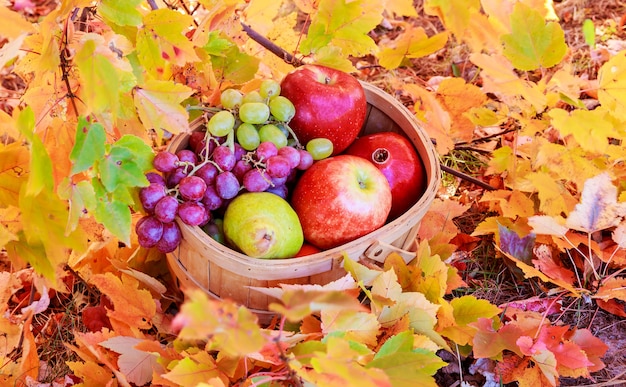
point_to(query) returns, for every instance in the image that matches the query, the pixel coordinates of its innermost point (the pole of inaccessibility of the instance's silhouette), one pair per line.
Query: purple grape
(239, 152)
(166, 209)
(227, 185)
(211, 200)
(150, 196)
(224, 158)
(277, 166)
(149, 231)
(203, 150)
(265, 150)
(191, 188)
(279, 180)
(207, 173)
(280, 190)
(187, 156)
(173, 178)
(193, 214)
(290, 154)
(256, 180)
(165, 162)
(197, 141)
(170, 239)
(306, 160)
(240, 169)
(154, 177)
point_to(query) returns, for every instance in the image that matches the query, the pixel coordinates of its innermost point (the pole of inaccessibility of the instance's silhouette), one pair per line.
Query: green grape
(283, 129)
(221, 123)
(231, 98)
(319, 148)
(254, 112)
(272, 133)
(252, 96)
(269, 88)
(248, 136)
(281, 108)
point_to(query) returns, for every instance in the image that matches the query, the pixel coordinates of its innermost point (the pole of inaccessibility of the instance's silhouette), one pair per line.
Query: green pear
(263, 225)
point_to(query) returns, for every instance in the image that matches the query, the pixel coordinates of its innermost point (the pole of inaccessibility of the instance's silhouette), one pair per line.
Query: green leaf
(100, 82)
(344, 24)
(468, 309)
(217, 45)
(81, 198)
(533, 43)
(589, 33)
(235, 66)
(119, 169)
(121, 12)
(142, 152)
(402, 342)
(89, 145)
(113, 215)
(40, 176)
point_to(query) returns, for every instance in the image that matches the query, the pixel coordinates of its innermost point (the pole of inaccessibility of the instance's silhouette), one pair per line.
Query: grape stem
(293, 134)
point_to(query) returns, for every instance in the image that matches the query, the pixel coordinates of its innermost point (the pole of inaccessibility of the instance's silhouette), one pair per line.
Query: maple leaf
(511, 204)
(612, 82)
(546, 264)
(612, 287)
(195, 370)
(455, 15)
(439, 218)
(29, 364)
(548, 225)
(344, 24)
(232, 328)
(533, 43)
(14, 166)
(590, 128)
(412, 43)
(158, 106)
(136, 365)
(458, 98)
(467, 310)
(133, 306)
(598, 208)
(400, 7)
(490, 343)
(360, 327)
(122, 13)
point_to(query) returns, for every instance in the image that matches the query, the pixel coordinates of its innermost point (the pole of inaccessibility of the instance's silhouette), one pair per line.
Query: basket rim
(386, 103)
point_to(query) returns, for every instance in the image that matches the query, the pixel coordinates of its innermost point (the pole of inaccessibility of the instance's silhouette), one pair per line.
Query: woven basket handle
(378, 251)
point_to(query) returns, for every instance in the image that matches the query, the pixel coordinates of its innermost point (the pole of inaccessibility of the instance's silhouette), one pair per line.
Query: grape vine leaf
(40, 176)
(344, 24)
(533, 43)
(598, 208)
(89, 145)
(124, 164)
(412, 43)
(136, 365)
(159, 106)
(13, 24)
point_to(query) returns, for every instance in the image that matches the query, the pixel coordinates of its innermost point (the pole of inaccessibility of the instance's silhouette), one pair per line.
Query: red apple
(340, 199)
(307, 249)
(394, 155)
(329, 103)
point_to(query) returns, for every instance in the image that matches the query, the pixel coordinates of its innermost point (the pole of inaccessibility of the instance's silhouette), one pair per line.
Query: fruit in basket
(394, 155)
(340, 199)
(329, 104)
(262, 225)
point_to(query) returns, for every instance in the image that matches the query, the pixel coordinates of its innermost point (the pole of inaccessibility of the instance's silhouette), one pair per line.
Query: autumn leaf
(404, 365)
(598, 208)
(194, 370)
(489, 342)
(158, 106)
(412, 43)
(89, 145)
(14, 167)
(136, 365)
(612, 287)
(467, 310)
(590, 128)
(360, 327)
(400, 7)
(519, 247)
(344, 24)
(612, 82)
(533, 43)
(122, 13)
(13, 24)
(455, 15)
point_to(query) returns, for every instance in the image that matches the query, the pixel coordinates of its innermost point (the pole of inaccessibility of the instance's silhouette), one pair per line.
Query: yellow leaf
(13, 24)
(483, 34)
(550, 193)
(500, 78)
(411, 43)
(612, 83)
(400, 7)
(613, 287)
(455, 14)
(159, 106)
(361, 327)
(434, 118)
(457, 98)
(590, 128)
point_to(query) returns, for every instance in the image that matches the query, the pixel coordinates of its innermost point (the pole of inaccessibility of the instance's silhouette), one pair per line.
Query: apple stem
(380, 155)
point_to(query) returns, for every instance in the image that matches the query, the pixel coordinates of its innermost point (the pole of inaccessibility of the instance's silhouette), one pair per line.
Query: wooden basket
(201, 262)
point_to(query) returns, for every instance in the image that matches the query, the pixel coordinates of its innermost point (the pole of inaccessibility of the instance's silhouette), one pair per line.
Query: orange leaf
(458, 98)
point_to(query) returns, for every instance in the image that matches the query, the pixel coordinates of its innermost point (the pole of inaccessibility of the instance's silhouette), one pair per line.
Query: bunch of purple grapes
(196, 184)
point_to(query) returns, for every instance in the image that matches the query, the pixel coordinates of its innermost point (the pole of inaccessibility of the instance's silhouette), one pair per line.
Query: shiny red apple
(329, 103)
(394, 155)
(340, 199)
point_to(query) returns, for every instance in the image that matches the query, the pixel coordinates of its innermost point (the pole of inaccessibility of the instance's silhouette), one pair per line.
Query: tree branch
(269, 45)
